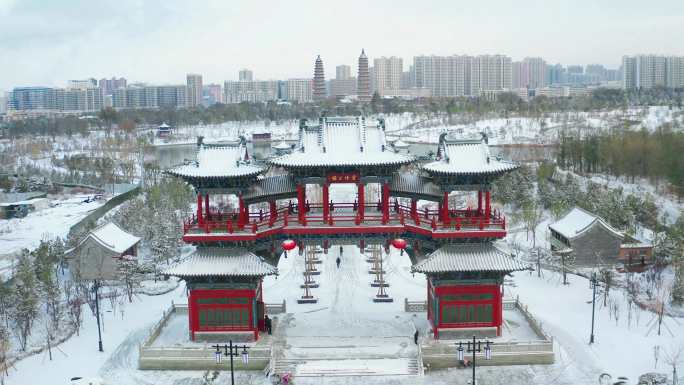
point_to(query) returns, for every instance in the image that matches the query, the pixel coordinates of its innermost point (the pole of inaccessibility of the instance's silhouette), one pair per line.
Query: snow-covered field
(545, 129)
(19, 233)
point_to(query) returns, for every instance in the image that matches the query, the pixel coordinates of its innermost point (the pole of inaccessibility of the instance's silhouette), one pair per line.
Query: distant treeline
(657, 155)
(505, 104)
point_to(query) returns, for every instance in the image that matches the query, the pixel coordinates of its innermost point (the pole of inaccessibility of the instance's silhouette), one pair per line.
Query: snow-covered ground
(545, 129)
(19, 233)
(79, 355)
(346, 326)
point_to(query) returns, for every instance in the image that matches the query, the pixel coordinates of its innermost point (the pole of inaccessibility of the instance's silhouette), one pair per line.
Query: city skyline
(47, 43)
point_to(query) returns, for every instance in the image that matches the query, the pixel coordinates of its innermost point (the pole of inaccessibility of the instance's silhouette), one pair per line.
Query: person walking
(267, 323)
(338, 260)
(341, 250)
(415, 337)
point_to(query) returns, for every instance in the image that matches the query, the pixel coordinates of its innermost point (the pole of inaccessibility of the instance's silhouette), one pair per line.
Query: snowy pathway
(345, 333)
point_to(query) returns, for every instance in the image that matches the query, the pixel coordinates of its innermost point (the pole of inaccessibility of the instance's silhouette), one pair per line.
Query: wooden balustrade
(429, 219)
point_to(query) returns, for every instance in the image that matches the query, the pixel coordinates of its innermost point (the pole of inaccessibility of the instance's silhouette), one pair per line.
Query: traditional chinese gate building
(237, 248)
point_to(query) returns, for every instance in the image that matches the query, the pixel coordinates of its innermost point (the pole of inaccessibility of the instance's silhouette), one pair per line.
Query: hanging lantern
(288, 244)
(399, 243)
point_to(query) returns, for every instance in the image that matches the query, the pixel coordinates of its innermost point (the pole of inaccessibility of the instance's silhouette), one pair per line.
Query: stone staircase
(357, 367)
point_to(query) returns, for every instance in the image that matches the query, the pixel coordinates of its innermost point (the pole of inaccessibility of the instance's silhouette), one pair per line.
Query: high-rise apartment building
(444, 76)
(449, 76)
(387, 73)
(363, 79)
(490, 73)
(529, 73)
(319, 91)
(135, 96)
(649, 71)
(44, 99)
(194, 93)
(246, 75)
(342, 72)
(343, 84)
(214, 93)
(535, 67)
(298, 90)
(172, 96)
(82, 84)
(255, 91)
(555, 74)
(109, 85)
(675, 72)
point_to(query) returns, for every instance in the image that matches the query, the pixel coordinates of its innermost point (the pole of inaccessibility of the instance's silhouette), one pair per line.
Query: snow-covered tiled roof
(342, 141)
(282, 146)
(222, 261)
(577, 221)
(466, 156)
(469, 257)
(112, 237)
(218, 160)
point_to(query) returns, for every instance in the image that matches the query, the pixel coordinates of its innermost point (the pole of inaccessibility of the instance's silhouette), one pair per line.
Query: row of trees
(505, 103)
(36, 294)
(530, 193)
(655, 155)
(157, 217)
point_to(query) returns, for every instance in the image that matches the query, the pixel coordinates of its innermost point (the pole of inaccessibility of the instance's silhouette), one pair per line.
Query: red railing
(427, 219)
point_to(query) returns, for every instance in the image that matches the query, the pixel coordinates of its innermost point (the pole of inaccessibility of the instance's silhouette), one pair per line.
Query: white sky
(46, 42)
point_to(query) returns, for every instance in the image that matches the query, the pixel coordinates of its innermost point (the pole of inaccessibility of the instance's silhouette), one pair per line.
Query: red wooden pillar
(191, 316)
(414, 208)
(362, 200)
(272, 209)
(241, 211)
(445, 209)
(385, 202)
(200, 220)
(301, 196)
(479, 202)
(326, 201)
(488, 208)
(206, 206)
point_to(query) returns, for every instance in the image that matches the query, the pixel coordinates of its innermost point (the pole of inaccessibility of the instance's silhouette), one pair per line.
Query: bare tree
(607, 278)
(673, 356)
(4, 351)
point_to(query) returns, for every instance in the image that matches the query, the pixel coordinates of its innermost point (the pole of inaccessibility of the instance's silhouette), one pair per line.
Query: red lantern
(288, 244)
(399, 243)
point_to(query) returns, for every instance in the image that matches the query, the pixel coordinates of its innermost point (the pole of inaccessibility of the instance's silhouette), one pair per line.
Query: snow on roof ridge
(469, 156)
(570, 228)
(129, 240)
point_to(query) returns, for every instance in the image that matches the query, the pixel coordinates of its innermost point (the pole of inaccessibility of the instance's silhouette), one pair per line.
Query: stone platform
(168, 347)
(522, 342)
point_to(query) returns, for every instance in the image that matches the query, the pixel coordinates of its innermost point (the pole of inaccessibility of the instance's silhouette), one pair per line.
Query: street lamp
(476, 347)
(594, 283)
(231, 351)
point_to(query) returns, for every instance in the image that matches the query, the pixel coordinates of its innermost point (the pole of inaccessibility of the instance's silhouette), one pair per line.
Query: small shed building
(98, 254)
(587, 237)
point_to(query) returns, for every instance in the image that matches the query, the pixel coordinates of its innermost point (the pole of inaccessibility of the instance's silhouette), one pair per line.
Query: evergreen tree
(25, 298)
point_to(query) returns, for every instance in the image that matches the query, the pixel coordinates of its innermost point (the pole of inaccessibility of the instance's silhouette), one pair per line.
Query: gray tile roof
(470, 156)
(414, 184)
(222, 261)
(271, 186)
(468, 257)
(217, 161)
(342, 141)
